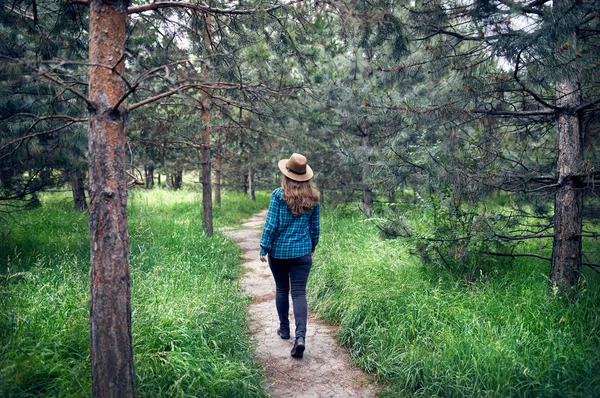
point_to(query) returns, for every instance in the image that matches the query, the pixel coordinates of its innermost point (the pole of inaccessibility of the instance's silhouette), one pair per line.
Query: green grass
(428, 333)
(188, 321)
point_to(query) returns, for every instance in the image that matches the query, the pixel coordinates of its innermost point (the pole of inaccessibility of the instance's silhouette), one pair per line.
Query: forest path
(326, 370)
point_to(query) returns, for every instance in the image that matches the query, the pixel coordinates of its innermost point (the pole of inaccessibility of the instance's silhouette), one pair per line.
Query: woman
(290, 236)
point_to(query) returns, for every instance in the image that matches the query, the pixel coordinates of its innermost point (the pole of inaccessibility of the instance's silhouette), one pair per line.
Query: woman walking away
(290, 237)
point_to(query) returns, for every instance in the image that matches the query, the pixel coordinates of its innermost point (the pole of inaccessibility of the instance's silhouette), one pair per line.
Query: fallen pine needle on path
(326, 370)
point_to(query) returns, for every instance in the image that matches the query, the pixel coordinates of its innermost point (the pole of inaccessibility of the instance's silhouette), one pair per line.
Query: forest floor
(326, 369)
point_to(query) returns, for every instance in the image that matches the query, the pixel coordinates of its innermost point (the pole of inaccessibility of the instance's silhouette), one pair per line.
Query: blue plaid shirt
(286, 235)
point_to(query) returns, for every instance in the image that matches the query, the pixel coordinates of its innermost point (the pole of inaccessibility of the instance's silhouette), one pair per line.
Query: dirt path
(325, 370)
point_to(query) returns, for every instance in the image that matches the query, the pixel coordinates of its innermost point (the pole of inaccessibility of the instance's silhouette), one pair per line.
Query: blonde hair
(300, 197)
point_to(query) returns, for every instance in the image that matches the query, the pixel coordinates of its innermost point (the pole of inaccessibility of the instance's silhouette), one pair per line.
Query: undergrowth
(188, 319)
(428, 332)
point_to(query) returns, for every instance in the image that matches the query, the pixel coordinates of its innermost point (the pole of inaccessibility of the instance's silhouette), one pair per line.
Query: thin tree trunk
(367, 192)
(568, 202)
(207, 216)
(392, 195)
(251, 183)
(207, 220)
(111, 351)
(78, 188)
(178, 175)
(244, 184)
(218, 181)
(149, 169)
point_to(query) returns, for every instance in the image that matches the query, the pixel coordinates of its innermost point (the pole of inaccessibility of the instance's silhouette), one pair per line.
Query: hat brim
(292, 176)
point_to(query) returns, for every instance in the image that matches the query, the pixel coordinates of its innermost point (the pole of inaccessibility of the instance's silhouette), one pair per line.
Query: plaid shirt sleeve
(315, 226)
(270, 228)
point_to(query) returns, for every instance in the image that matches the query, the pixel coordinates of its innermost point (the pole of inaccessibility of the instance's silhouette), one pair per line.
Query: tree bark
(78, 188)
(367, 192)
(178, 175)
(111, 351)
(218, 181)
(207, 219)
(251, 183)
(207, 216)
(392, 196)
(149, 169)
(568, 202)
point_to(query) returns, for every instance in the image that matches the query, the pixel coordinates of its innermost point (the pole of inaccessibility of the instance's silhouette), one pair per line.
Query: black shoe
(298, 349)
(283, 333)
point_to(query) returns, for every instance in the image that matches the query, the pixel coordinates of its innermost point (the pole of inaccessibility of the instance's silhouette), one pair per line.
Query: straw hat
(295, 168)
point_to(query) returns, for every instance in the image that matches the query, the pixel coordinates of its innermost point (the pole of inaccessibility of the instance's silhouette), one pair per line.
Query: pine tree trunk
(111, 351)
(244, 184)
(392, 196)
(218, 181)
(78, 188)
(207, 221)
(251, 184)
(207, 216)
(178, 175)
(367, 192)
(568, 202)
(149, 169)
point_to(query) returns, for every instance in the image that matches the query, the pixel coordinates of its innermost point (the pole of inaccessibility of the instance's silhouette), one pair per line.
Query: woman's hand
(263, 258)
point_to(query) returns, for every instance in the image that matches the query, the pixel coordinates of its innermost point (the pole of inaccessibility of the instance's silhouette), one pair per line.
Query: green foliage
(42, 140)
(188, 320)
(425, 332)
(458, 237)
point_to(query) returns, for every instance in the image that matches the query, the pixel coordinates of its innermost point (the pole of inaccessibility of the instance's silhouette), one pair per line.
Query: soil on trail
(325, 370)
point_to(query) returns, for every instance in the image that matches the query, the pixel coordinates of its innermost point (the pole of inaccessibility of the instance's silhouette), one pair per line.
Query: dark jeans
(294, 272)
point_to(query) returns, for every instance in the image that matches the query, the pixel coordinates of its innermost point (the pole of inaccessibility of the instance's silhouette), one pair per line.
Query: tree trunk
(218, 181)
(111, 351)
(178, 175)
(207, 220)
(149, 171)
(78, 188)
(392, 196)
(251, 183)
(568, 202)
(367, 192)
(207, 216)
(244, 184)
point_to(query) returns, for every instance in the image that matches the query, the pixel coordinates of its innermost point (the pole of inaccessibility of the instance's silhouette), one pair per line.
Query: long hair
(300, 197)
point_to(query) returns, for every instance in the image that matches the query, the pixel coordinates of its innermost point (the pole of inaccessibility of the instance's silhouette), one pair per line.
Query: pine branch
(523, 237)
(514, 113)
(144, 76)
(65, 86)
(513, 255)
(528, 8)
(589, 106)
(20, 140)
(528, 91)
(203, 7)
(591, 265)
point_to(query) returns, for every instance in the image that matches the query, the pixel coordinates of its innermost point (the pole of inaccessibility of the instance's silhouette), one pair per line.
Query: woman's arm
(270, 228)
(315, 226)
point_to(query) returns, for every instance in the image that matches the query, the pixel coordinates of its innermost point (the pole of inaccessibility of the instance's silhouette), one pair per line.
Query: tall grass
(188, 320)
(428, 333)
